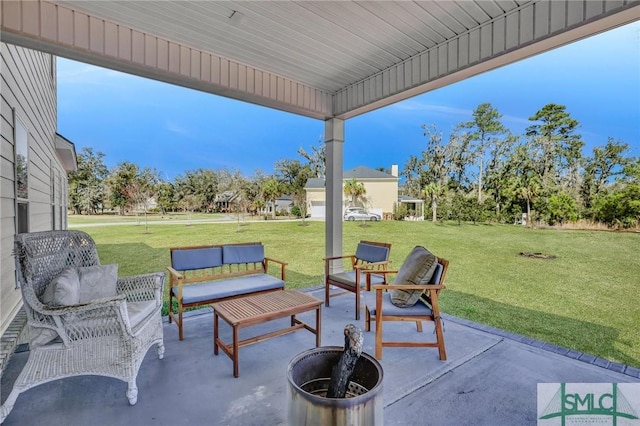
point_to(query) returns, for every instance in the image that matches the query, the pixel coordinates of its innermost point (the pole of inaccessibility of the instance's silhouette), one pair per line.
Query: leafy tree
(142, 191)
(316, 159)
(606, 163)
(252, 191)
(86, 185)
(166, 197)
(460, 159)
(205, 183)
(497, 174)
(523, 181)
(560, 148)
(562, 208)
(190, 203)
(240, 186)
(294, 176)
(119, 180)
(621, 208)
(433, 165)
(484, 126)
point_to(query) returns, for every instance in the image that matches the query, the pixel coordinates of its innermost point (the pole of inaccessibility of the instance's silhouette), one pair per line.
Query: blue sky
(174, 129)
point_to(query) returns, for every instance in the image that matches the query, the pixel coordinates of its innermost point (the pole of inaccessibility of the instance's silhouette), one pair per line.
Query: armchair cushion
(372, 253)
(63, 290)
(97, 282)
(417, 269)
(389, 308)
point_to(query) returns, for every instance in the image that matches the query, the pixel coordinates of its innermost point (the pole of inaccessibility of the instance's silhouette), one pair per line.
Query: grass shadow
(539, 325)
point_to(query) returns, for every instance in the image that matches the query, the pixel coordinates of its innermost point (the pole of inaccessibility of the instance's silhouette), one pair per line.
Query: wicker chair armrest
(66, 320)
(98, 318)
(63, 310)
(143, 287)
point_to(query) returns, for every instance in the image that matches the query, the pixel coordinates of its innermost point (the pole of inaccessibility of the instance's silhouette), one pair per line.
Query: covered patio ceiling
(321, 59)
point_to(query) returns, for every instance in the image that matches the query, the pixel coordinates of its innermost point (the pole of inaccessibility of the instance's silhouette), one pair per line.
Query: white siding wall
(28, 91)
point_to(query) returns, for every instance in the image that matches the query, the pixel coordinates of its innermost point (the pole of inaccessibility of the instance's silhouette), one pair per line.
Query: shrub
(295, 210)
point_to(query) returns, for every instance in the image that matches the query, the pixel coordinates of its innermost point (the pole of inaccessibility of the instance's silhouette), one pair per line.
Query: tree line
(126, 188)
(480, 172)
(484, 172)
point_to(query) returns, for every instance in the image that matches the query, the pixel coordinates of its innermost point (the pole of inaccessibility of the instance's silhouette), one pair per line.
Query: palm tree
(271, 189)
(433, 190)
(354, 190)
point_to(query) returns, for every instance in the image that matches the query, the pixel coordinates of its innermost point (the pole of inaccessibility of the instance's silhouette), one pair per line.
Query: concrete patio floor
(489, 378)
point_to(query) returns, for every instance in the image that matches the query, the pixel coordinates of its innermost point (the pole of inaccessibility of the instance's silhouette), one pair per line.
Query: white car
(353, 213)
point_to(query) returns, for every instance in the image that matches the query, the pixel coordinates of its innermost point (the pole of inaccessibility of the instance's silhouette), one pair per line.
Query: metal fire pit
(309, 374)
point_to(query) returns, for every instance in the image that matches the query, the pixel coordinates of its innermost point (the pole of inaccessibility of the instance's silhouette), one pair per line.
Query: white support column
(334, 140)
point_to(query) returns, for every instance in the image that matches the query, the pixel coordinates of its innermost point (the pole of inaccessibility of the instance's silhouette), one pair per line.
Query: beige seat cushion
(417, 269)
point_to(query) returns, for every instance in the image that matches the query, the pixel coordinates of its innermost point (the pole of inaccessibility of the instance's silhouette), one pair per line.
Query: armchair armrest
(380, 287)
(383, 272)
(173, 274)
(143, 287)
(175, 278)
(328, 260)
(100, 317)
(282, 264)
(346, 256)
(370, 267)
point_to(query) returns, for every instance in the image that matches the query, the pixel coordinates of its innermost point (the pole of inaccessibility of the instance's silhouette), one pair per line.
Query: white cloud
(174, 127)
(414, 105)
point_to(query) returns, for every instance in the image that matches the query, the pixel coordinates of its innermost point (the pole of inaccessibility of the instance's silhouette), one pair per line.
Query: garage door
(317, 209)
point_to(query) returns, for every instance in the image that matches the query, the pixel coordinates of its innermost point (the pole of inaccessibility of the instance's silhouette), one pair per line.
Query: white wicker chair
(106, 337)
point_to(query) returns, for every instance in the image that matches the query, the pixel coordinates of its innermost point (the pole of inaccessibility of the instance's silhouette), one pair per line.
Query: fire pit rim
(335, 402)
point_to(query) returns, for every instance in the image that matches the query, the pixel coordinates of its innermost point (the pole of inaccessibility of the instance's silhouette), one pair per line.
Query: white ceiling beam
(77, 35)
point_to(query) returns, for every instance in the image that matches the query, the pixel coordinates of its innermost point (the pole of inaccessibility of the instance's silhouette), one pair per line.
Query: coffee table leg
(236, 373)
(318, 327)
(215, 333)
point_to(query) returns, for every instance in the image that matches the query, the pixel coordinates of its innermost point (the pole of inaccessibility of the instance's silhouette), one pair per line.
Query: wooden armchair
(379, 308)
(370, 256)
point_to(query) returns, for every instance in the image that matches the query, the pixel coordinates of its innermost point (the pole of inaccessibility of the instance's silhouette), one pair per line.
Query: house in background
(35, 160)
(284, 204)
(224, 202)
(381, 191)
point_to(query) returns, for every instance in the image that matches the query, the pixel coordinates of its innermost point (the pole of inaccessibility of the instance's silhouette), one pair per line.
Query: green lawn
(116, 218)
(587, 298)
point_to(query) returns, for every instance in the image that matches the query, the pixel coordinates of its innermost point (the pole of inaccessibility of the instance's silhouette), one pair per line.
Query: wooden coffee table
(260, 308)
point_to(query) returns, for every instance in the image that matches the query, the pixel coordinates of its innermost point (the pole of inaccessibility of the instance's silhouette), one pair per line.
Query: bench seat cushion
(220, 289)
(349, 278)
